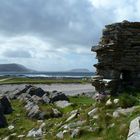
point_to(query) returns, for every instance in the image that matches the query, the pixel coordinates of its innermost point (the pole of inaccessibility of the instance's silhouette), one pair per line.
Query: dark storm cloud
(67, 21)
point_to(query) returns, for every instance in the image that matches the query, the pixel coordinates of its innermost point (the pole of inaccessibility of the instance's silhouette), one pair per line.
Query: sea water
(49, 74)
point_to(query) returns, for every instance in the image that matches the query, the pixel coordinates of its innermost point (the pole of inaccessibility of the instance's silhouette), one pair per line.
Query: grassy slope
(84, 104)
(23, 124)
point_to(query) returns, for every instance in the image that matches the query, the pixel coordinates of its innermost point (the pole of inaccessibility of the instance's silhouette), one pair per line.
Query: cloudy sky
(56, 35)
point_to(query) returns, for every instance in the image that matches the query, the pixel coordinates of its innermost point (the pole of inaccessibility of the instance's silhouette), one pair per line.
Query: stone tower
(118, 54)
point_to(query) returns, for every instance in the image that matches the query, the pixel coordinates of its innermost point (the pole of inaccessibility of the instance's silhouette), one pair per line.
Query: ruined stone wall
(118, 54)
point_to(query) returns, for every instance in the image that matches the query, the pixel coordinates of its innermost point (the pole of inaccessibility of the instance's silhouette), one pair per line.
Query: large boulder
(3, 122)
(33, 110)
(45, 99)
(58, 96)
(36, 91)
(24, 97)
(134, 129)
(7, 109)
(17, 92)
(62, 104)
(13, 94)
(124, 111)
(36, 99)
(24, 89)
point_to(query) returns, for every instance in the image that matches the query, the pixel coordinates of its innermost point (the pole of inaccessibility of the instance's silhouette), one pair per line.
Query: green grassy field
(108, 128)
(23, 124)
(14, 80)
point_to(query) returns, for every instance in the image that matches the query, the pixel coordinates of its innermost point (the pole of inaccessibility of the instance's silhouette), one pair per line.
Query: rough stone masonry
(118, 54)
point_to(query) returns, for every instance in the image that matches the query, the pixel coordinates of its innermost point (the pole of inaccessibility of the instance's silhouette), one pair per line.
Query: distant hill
(13, 68)
(79, 70)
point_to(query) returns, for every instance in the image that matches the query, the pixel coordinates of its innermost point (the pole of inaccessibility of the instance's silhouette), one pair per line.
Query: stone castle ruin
(118, 54)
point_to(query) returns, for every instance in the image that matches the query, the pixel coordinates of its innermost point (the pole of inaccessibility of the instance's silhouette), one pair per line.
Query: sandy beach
(68, 89)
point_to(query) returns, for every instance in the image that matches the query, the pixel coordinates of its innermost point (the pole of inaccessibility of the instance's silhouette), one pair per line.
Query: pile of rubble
(31, 97)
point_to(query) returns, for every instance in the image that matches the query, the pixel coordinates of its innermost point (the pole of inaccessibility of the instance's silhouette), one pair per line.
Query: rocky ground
(32, 113)
(68, 89)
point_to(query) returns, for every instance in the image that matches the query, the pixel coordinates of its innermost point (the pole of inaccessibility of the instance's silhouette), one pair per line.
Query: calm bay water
(49, 74)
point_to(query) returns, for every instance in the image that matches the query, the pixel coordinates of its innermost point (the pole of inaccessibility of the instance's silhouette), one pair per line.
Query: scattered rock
(75, 132)
(126, 111)
(73, 115)
(11, 127)
(65, 131)
(42, 125)
(96, 117)
(62, 104)
(116, 101)
(24, 97)
(14, 134)
(34, 112)
(24, 89)
(41, 115)
(14, 94)
(35, 133)
(21, 136)
(45, 99)
(17, 92)
(74, 111)
(73, 125)
(93, 112)
(59, 97)
(116, 114)
(111, 125)
(36, 91)
(6, 138)
(56, 113)
(29, 105)
(100, 97)
(109, 102)
(40, 121)
(134, 129)
(60, 135)
(36, 99)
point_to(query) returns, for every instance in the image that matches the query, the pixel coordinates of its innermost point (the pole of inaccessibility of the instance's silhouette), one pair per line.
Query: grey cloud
(17, 54)
(67, 21)
(64, 25)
